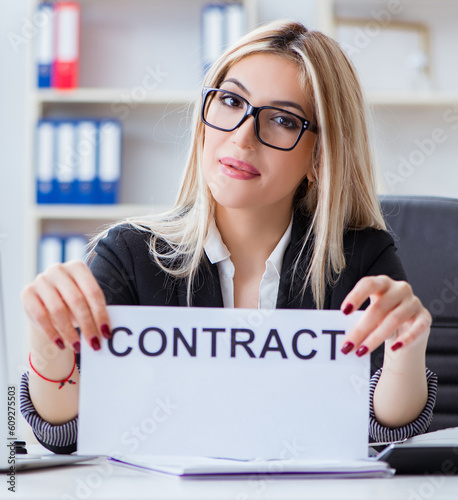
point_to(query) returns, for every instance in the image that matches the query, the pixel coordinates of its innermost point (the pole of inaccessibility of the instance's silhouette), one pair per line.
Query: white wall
(12, 168)
(305, 11)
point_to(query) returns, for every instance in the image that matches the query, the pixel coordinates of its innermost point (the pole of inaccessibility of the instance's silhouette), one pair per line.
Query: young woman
(277, 208)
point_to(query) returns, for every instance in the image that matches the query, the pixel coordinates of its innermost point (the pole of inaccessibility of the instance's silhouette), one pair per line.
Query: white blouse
(218, 254)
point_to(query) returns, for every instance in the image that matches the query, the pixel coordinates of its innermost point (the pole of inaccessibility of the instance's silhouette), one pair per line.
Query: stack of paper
(201, 466)
(437, 438)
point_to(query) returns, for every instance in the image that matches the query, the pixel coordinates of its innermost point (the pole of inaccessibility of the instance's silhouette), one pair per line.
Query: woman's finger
(418, 327)
(39, 316)
(370, 286)
(56, 308)
(366, 337)
(65, 296)
(94, 295)
(72, 281)
(379, 311)
(393, 304)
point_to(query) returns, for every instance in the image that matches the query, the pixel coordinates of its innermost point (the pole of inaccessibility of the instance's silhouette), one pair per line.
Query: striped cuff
(420, 425)
(54, 437)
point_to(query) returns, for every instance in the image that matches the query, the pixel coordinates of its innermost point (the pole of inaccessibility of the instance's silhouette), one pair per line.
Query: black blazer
(128, 275)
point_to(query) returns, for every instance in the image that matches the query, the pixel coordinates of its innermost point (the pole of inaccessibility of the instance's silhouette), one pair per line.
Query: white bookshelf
(123, 43)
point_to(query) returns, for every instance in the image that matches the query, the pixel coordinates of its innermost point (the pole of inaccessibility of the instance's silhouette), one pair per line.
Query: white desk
(104, 480)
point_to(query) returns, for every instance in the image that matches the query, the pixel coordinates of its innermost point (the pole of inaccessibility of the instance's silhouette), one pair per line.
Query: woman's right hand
(63, 297)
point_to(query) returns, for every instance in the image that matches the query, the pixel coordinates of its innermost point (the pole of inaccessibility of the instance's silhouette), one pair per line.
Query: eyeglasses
(274, 127)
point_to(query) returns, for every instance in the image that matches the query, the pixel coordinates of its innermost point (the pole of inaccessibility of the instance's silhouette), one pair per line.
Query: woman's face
(239, 170)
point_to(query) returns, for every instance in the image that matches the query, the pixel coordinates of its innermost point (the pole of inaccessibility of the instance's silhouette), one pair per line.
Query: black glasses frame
(254, 112)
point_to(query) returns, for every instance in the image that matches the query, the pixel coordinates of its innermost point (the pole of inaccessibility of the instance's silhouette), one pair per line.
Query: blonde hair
(345, 196)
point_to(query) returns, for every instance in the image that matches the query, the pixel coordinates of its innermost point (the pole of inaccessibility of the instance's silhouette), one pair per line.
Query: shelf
(115, 95)
(411, 98)
(94, 212)
(180, 97)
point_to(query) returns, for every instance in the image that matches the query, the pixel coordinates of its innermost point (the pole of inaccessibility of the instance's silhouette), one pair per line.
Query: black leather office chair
(426, 233)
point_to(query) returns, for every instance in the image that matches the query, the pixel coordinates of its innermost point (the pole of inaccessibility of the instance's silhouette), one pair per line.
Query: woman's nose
(245, 135)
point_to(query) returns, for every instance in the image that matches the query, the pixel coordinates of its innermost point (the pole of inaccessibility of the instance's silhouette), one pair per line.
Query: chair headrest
(425, 230)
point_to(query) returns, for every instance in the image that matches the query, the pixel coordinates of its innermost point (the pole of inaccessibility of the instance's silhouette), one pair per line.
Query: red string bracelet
(61, 382)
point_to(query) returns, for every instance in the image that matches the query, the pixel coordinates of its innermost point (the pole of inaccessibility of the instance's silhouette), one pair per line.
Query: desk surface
(105, 480)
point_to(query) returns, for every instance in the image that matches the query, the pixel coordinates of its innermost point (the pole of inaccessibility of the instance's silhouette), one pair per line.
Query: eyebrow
(239, 84)
(289, 104)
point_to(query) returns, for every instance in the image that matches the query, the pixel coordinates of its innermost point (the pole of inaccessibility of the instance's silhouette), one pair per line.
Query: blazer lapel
(206, 288)
(290, 295)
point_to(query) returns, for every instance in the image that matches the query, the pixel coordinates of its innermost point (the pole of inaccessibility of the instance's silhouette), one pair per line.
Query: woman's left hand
(395, 315)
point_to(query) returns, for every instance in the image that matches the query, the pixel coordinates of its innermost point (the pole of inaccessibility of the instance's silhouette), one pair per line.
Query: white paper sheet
(287, 393)
(201, 466)
(448, 437)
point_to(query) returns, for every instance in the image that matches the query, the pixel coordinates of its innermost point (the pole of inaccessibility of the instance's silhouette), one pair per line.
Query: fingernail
(396, 346)
(105, 331)
(347, 347)
(361, 351)
(348, 309)
(60, 344)
(77, 347)
(95, 343)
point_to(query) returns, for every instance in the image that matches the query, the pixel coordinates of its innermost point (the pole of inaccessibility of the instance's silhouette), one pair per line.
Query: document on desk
(448, 437)
(201, 466)
(232, 383)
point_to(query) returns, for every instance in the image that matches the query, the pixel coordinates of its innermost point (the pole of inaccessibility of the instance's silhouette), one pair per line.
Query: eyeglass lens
(275, 127)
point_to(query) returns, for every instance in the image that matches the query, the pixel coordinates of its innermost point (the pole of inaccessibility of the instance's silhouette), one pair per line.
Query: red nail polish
(95, 343)
(347, 347)
(105, 331)
(348, 309)
(396, 346)
(60, 344)
(361, 351)
(77, 347)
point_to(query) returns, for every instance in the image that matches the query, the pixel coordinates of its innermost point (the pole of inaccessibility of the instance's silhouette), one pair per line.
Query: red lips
(238, 169)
